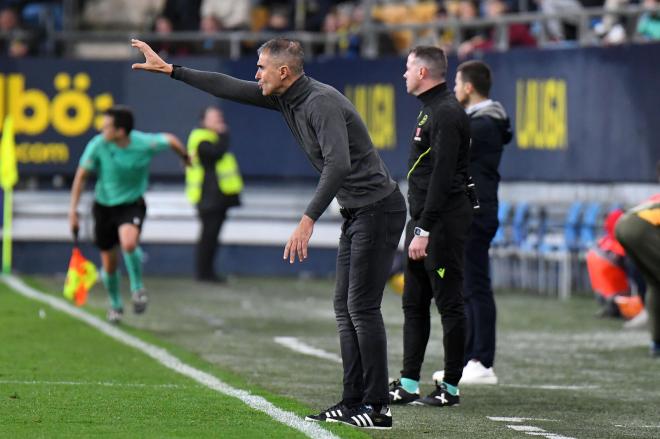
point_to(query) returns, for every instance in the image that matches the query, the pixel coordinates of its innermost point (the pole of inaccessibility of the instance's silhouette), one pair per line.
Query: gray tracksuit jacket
(327, 127)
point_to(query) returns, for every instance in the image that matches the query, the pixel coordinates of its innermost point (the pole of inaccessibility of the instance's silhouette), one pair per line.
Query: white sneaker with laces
(473, 373)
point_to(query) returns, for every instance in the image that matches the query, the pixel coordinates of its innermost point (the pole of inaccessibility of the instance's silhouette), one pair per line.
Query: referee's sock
(133, 262)
(111, 283)
(410, 386)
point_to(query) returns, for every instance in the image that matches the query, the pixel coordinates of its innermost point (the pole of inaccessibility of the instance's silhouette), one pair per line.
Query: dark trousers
(480, 311)
(207, 244)
(440, 277)
(368, 242)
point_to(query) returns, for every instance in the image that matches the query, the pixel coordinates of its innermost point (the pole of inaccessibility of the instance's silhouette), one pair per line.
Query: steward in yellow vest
(225, 168)
(213, 185)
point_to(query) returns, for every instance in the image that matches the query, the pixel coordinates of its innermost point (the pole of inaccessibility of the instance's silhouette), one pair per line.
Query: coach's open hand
(153, 62)
(298, 241)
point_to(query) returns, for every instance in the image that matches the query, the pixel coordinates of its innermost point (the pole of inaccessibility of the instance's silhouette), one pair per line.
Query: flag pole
(8, 178)
(6, 232)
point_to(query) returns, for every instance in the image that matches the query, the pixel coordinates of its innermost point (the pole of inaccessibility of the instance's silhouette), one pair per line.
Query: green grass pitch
(574, 375)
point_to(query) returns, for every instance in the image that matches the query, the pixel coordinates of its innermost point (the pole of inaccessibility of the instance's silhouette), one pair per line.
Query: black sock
(351, 403)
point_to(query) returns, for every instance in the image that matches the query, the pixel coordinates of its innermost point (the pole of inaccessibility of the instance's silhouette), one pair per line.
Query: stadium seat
(503, 217)
(591, 222)
(556, 256)
(519, 224)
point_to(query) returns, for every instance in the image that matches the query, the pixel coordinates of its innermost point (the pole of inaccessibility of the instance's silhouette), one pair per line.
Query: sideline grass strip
(248, 424)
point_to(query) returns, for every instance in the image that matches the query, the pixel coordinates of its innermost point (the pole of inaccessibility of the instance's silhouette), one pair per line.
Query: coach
(336, 141)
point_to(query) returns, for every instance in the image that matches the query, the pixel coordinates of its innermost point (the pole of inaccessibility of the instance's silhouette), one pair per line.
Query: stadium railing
(370, 30)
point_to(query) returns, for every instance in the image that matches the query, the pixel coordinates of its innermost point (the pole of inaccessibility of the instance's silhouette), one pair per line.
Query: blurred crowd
(25, 25)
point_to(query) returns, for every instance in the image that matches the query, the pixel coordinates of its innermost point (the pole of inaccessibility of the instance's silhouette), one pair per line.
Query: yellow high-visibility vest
(226, 169)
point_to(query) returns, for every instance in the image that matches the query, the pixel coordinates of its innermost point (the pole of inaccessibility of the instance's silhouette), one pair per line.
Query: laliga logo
(71, 111)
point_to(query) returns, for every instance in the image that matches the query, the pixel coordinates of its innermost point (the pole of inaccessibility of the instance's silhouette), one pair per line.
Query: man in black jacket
(213, 185)
(335, 139)
(440, 212)
(490, 131)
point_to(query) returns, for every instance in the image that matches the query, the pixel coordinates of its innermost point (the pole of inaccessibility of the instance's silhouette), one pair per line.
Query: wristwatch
(421, 232)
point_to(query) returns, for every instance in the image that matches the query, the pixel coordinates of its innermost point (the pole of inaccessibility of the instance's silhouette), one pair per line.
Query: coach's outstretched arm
(217, 84)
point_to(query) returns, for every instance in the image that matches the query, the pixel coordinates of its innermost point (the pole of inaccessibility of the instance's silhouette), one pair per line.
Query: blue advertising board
(579, 115)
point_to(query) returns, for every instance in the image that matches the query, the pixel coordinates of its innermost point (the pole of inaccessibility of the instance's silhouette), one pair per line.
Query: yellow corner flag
(80, 277)
(8, 171)
(8, 178)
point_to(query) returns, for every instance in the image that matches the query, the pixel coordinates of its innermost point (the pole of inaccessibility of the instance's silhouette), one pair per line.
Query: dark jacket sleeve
(445, 145)
(209, 153)
(329, 126)
(225, 86)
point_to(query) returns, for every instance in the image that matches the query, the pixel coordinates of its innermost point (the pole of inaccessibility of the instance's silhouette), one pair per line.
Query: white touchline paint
(529, 429)
(90, 383)
(526, 428)
(637, 426)
(168, 360)
(296, 345)
(550, 387)
(547, 435)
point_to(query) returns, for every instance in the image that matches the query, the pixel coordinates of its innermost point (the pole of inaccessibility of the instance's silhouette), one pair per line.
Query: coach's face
(413, 75)
(270, 75)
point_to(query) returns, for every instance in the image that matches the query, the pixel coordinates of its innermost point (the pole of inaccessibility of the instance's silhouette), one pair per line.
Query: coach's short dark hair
(122, 117)
(433, 58)
(478, 74)
(286, 50)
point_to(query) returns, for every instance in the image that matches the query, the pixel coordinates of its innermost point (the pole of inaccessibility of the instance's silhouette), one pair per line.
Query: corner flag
(8, 170)
(8, 178)
(80, 277)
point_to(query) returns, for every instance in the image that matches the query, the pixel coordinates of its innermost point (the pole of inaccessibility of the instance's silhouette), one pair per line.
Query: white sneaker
(473, 373)
(640, 321)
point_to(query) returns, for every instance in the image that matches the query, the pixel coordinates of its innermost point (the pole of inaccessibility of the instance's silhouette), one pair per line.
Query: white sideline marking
(529, 429)
(170, 361)
(91, 383)
(296, 345)
(550, 387)
(526, 428)
(637, 426)
(549, 435)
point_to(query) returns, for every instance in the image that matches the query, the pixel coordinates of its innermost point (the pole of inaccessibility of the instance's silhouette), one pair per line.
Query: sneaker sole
(403, 403)
(361, 428)
(432, 405)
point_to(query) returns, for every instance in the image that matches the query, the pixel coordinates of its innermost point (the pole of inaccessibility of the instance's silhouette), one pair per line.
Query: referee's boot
(140, 301)
(440, 397)
(399, 395)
